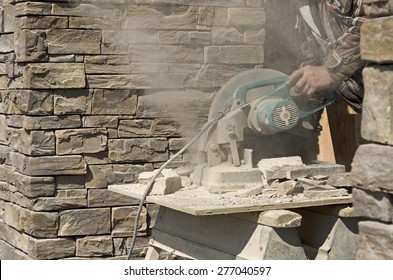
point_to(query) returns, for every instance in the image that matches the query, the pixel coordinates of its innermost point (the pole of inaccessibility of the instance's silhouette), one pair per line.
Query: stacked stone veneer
(95, 92)
(372, 168)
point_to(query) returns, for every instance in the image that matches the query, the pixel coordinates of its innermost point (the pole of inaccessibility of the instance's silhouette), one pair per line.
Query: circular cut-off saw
(262, 118)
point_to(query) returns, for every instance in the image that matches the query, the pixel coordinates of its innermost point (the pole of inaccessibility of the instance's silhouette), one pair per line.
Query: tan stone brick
(94, 221)
(67, 102)
(123, 220)
(94, 246)
(79, 141)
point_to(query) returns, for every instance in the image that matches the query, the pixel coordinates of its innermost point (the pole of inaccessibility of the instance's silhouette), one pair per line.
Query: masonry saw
(260, 117)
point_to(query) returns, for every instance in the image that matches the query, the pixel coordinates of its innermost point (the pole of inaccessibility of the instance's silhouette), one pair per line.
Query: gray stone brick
(372, 168)
(48, 249)
(373, 205)
(375, 241)
(377, 117)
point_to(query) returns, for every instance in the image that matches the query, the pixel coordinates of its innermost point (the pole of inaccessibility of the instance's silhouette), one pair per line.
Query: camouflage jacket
(333, 40)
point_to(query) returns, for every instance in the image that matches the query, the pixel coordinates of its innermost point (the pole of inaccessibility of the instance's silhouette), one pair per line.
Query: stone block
(6, 43)
(48, 122)
(50, 249)
(15, 238)
(100, 176)
(373, 205)
(54, 76)
(244, 17)
(86, 9)
(130, 81)
(30, 47)
(3, 130)
(289, 188)
(58, 203)
(48, 165)
(8, 252)
(95, 221)
(37, 224)
(167, 53)
(376, 8)
(10, 21)
(67, 102)
(187, 105)
(94, 246)
(372, 168)
(138, 150)
(43, 22)
(166, 185)
(28, 102)
(27, 185)
(114, 102)
(149, 128)
(134, 36)
(73, 41)
(103, 197)
(101, 121)
(377, 120)
(32, 8)
(170, 17)
(234, 54)
(184, 37)
(79, 141)
(95, 23)
(33, 143)
(376, 40)
(375, 241)
(123, 221)
(226, 35)
(70, 182)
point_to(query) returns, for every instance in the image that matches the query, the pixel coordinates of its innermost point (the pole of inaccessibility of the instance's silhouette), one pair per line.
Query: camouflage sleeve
(344, 60)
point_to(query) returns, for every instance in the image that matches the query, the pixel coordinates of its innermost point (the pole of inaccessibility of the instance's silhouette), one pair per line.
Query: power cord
(209, 124)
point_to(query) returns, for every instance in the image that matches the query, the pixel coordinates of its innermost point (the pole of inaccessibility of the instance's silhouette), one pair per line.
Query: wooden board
(199, 202)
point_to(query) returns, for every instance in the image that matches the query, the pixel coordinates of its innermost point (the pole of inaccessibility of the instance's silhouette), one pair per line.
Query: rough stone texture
(33, 223)
(371, 173)
(96, 92)
(372, 168)
(373, 205)
(94, 246)
(95, 222)
(375, 241)
(377, 121)
(54, 76)
(138, 150)
(123, 220)
(81, 141)
(48, 165)
(376, 40)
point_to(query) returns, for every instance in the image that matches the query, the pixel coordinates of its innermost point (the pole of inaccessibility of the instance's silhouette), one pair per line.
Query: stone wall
(372, 167)
(95, 92)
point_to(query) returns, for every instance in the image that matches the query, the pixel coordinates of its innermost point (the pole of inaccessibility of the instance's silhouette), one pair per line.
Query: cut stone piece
(166, 185)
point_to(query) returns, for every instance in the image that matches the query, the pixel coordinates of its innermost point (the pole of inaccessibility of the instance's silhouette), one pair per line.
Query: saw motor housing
(271, 113)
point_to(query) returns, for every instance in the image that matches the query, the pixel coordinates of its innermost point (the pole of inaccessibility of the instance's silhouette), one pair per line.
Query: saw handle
(280, 90)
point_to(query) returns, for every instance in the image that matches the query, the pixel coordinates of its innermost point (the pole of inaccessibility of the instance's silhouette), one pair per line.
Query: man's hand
(310, 79)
